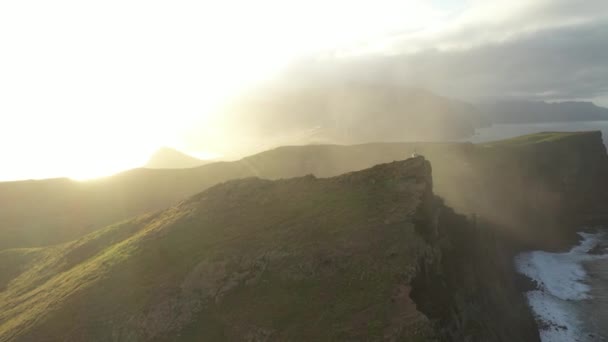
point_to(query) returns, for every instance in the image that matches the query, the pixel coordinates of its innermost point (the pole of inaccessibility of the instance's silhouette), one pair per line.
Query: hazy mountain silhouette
(168, 158)
(538, 111)
(341, 112)
(358, 113)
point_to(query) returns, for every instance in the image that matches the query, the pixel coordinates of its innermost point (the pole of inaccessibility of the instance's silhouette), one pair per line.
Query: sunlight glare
(88, 89)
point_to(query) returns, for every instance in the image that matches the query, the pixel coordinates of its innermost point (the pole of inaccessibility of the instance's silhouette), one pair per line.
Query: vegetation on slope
(305, 258)
(39, 213)
(541, 180)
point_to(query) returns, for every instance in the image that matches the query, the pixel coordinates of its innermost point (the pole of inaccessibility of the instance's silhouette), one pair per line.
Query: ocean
(571, 300)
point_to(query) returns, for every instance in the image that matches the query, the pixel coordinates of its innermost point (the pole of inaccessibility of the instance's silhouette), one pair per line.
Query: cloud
(84, 71)
(483, 22)
(565, 62)
(541, 50)
(546, 50)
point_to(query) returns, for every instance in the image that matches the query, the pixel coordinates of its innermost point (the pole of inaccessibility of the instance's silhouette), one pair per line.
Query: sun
(83, 99)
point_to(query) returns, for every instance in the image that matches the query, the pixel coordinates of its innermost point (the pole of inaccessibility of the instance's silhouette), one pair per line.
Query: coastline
(559, 290)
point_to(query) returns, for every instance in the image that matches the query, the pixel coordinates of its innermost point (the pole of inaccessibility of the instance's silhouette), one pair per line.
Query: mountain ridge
(466, 175)
(305, 258)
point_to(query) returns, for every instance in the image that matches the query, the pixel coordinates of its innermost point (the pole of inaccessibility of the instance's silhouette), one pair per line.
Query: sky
(88, 89)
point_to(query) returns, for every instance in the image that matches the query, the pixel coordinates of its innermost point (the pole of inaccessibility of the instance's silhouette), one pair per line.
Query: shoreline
(556, 285)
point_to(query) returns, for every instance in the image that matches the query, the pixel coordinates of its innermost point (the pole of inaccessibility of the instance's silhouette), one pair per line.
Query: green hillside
(355, 257)
(507, 181)
(38, 213)
(245, 257)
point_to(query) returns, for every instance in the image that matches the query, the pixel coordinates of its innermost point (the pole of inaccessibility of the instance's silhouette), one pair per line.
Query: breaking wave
(562, 282)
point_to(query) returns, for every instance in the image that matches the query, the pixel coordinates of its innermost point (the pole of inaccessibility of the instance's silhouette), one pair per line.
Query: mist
(231, 90)
(287, 170)
(435, 86)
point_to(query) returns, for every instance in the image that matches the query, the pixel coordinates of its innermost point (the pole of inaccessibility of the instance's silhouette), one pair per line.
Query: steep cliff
(471, 291)
(369, 255)
(540, 188)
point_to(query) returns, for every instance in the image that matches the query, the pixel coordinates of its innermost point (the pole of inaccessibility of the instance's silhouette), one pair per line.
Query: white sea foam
(561, 279)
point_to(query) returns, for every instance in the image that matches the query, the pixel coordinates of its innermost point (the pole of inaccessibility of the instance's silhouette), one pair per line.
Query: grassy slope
(15, 261)
(38, 213)
(487, 179)
(306, 258)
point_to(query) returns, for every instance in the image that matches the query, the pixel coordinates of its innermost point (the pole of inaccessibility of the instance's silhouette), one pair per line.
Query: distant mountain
(168, 158)
(536, 111)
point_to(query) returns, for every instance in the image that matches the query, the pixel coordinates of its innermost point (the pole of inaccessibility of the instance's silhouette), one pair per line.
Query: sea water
(571, 299)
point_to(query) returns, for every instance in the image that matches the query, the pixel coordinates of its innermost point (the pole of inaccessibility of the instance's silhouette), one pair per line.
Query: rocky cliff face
(469, 289)
(537, 190)
(369, 255)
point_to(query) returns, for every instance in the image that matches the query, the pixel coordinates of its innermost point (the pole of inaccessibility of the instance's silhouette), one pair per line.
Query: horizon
(481, 135)
(487, 136)
(89, 90)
